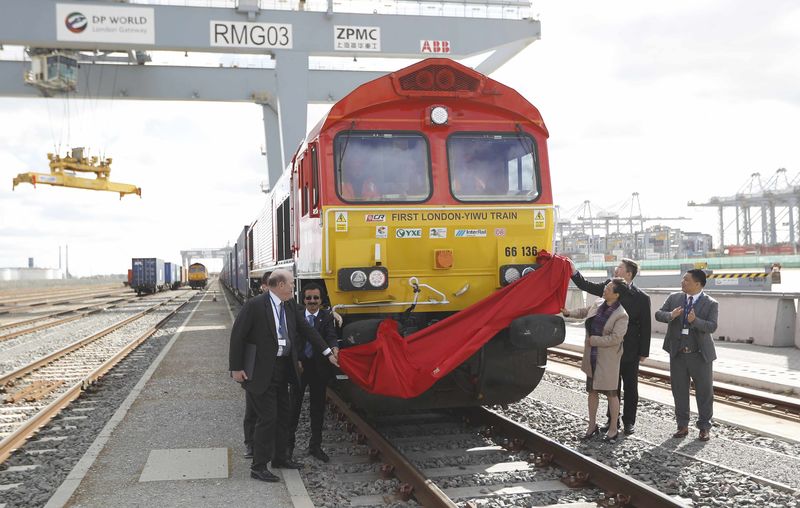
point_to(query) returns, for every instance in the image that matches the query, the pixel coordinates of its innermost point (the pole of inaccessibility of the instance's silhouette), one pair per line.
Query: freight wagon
(148, 275)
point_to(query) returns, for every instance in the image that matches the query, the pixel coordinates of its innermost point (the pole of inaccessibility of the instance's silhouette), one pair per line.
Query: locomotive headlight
(511, 274)
(377, 278)
(527, 270)
(439, 115)
(358, 279)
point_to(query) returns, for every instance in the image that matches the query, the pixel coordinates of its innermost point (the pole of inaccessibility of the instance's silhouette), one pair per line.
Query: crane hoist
(63, 171)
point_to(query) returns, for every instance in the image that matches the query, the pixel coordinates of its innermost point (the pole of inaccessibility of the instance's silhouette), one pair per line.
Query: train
(151, 275)
(198, 276)
(419, 194)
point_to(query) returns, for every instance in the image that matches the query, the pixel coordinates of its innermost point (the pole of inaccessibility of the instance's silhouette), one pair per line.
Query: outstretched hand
(564, 312)
(333, 358)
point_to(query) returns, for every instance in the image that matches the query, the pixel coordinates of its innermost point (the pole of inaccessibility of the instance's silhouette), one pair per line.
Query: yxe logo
(408, 233)
(76, 22)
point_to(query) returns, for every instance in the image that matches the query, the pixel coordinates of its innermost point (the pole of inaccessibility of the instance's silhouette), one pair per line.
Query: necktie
(282, 322)
(687, 311)
(309, 351)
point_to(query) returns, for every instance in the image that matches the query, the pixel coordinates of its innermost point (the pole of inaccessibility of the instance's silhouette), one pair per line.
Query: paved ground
(190, 402)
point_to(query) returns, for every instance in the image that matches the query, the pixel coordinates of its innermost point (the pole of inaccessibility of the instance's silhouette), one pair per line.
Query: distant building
(31, 274)
(655, 242)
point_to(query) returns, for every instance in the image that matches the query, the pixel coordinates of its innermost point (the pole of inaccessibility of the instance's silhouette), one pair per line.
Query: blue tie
(687, 311)
(309, 351)
(282, 323)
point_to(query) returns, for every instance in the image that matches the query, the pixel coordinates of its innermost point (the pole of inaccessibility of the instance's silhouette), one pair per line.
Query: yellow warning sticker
(539, 218)
(341, 222)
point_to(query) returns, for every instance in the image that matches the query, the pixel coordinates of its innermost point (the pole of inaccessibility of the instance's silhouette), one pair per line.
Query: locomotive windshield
(493, 167)
(381, 167)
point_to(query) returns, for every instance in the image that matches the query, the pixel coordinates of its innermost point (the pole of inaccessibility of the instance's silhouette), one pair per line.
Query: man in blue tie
(692, 318)
(315, 372)
(269, 332)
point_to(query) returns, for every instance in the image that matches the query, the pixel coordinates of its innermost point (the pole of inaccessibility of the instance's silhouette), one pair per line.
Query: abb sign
(429, 46)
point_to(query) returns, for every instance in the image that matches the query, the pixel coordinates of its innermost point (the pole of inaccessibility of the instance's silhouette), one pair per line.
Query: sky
(677, 101)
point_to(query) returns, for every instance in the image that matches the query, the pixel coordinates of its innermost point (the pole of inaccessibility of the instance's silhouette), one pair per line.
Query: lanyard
(281, 315)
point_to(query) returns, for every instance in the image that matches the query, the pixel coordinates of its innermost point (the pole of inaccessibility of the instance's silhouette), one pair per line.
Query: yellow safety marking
(737, 275)
(341, 222)
(539, 218)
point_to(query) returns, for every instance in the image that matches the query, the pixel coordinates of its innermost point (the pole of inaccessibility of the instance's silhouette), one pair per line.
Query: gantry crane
(63, 174)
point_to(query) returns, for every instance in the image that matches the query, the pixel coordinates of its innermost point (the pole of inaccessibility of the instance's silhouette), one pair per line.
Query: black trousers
(273, 407)
(250, 418)
(315, 377)
(629, 382)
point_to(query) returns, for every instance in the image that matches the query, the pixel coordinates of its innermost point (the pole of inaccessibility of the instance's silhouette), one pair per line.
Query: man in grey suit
(692, 318)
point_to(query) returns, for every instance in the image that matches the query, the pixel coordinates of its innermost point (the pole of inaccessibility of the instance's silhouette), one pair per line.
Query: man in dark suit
(315, 372)
(277, 329)
(636, 345)
(692, 318)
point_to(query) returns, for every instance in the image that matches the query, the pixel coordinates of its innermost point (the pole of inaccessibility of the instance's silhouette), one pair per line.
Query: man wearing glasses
(315, 370)
(266, 340)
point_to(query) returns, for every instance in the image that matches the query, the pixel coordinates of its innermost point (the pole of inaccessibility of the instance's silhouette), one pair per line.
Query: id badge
(685, 331)
(282, 342)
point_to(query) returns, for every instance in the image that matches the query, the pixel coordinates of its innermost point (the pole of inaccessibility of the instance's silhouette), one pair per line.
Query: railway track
(13, 296)
(471, 457)
(18, 305)
(17, 328)
(35, 393)
(752, 400)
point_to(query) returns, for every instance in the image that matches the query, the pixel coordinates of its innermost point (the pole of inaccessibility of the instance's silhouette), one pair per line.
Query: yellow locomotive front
(443, 258)
(419, 195)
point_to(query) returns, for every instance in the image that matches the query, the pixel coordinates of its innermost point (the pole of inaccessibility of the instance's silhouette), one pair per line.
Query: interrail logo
(76, 22)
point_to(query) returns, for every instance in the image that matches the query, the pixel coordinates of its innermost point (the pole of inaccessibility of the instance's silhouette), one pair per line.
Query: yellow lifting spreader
(63, 170)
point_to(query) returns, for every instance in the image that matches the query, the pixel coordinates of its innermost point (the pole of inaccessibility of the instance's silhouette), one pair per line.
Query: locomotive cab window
(381, 167)
(493, 167)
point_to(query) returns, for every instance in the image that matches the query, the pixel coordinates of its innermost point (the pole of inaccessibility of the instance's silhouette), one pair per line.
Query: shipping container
(172, 275)
(148, 275)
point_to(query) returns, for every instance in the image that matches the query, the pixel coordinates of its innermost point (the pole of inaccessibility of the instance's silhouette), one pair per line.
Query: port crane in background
(769, 203)
(576, 233)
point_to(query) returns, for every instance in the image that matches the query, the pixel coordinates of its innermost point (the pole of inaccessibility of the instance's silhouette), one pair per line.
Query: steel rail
(16, 297)
(63, 299)
(41, 362)
(624, 490)
(426, 492)
(81, 312)
(24, 432)
(775, 405)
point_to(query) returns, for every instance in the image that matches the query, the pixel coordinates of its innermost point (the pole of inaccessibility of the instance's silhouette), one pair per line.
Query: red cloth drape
(401, 367)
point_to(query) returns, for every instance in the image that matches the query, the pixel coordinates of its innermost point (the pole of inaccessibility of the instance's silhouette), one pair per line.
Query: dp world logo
(76, 22)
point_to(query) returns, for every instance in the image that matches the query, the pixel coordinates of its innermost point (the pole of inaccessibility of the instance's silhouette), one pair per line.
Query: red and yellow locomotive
(428, 188)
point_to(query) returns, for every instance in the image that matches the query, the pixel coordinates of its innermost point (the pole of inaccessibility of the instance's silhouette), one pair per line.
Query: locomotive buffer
(63, 174)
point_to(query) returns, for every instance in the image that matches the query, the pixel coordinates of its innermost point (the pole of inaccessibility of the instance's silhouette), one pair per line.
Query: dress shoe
(286, 464)
(319, 454)
(682, 432)
(629, 429)
(264, 475)
(611, 439)
(705, 435)
(591, 434)
(248, 451)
